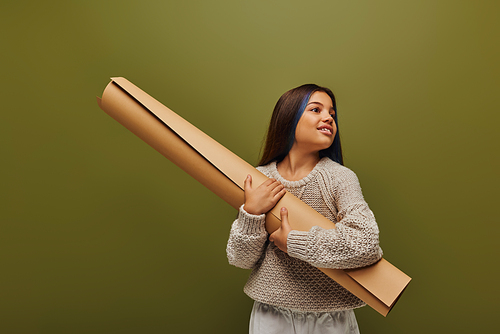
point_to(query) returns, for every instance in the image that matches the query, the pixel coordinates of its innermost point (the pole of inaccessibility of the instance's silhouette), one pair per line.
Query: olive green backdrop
(101, 234)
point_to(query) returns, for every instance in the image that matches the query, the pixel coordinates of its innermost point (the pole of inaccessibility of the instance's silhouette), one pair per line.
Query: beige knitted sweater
(292, 280)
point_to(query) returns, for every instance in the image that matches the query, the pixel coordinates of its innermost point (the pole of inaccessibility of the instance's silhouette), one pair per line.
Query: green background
(101, 234)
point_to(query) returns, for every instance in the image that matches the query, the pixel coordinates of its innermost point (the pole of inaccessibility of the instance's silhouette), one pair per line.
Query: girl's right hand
(263, 198)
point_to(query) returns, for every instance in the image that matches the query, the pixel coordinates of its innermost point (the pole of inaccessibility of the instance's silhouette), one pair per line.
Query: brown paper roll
(379, 285)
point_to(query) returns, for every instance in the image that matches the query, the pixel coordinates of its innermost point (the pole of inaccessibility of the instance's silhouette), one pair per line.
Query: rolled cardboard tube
(379, 285)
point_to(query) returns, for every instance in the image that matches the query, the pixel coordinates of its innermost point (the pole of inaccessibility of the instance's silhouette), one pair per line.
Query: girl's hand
(280, 236)
(263, 198)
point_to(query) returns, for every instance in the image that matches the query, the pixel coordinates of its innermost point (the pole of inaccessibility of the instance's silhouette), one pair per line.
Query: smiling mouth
(325, 130)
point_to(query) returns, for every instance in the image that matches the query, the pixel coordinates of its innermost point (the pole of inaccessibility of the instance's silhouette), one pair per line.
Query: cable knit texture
(292, 280)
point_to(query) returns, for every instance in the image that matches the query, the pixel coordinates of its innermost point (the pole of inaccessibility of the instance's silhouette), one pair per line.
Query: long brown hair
(286, 114)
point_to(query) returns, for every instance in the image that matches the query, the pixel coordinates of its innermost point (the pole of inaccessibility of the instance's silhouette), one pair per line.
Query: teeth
(325, 129)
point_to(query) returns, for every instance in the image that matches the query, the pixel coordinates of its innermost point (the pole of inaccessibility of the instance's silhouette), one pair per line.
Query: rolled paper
(379, 285)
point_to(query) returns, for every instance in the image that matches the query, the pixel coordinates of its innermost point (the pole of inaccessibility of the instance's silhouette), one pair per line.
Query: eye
(315, 109)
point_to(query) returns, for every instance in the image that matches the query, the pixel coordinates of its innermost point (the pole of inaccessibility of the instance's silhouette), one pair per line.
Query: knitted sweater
(292, 280)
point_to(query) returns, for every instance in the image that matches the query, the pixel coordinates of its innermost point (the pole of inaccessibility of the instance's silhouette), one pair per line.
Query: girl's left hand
(280, 236)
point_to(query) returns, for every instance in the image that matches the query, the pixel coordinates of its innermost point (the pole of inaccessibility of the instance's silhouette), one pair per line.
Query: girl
(303, 155)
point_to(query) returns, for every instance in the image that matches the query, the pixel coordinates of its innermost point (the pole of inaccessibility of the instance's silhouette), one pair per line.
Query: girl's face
(316, 128)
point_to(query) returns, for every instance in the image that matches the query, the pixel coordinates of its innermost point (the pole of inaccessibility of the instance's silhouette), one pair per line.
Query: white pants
(267, 319)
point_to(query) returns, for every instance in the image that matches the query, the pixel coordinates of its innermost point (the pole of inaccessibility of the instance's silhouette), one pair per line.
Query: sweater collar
(299, 183)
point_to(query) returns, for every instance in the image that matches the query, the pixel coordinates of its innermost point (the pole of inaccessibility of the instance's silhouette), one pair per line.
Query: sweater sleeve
(247, 240)
(353, 243)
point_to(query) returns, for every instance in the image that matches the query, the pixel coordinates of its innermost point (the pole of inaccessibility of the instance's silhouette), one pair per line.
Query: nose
(328, 118)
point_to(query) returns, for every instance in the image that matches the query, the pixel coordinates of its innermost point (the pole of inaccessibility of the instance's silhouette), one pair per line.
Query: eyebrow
(321, 104)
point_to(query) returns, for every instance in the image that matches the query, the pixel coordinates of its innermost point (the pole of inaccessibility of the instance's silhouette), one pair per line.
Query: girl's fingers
(275, 185)
(280, 190)
(280, 236)
(279, 194)
(248, 182)
(284, 216)
(269, 182)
